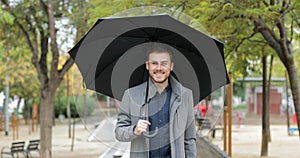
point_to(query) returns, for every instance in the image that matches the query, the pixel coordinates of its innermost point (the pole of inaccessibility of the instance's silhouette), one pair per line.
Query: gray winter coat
(182, 123)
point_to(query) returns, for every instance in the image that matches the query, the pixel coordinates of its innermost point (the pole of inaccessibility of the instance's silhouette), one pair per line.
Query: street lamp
(7, 89)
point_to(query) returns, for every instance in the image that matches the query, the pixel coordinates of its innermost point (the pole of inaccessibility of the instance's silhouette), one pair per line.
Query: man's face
(159, 66)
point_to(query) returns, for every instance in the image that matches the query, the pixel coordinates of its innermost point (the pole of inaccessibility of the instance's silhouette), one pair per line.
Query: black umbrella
(112, 54)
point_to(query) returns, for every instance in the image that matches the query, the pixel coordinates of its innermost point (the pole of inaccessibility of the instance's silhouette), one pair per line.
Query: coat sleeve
(190, 132)
(124, 127)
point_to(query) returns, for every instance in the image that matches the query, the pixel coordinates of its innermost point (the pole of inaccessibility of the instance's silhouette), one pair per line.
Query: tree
(38, 22)
(266, 134)
(20, 75)
(23, 80)
(274, 21)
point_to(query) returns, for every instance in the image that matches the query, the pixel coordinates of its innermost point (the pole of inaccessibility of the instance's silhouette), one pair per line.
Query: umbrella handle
(151, 135)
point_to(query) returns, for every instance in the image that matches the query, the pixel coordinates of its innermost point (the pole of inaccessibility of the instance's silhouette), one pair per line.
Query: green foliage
(233, 23)
(83, 106)
(103, 8)
(5, 17)
(239, 90)
(43, 26)
(31, 15)
(1, 51)
(278, 68)
(22, 74)
(60, 106)
(241, 107)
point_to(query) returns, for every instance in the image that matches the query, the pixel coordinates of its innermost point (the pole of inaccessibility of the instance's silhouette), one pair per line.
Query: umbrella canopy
(111, 56)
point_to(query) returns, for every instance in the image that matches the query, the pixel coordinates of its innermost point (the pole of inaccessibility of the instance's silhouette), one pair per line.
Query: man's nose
(159, 66)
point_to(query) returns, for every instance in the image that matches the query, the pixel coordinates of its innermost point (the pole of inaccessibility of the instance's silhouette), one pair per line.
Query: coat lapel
(176, 96)
(175, 103)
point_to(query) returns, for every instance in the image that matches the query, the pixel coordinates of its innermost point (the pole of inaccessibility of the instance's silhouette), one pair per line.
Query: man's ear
(172, 65)
(147, 65)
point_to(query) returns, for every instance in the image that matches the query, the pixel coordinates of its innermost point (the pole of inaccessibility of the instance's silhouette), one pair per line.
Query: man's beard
(164, 80)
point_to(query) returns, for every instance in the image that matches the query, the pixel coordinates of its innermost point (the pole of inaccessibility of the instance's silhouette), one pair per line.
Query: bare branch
(19, 25)
(243, 39)
(284, 4)
(181, 5)
(44, 6)
(34, 12)
(235, 48)
(235, 16)
(43, 59)
(283, 35)
(33, 46)
(65, 68)
(281, 28)
(54, 46)
(270, 37)
(259, 27)
(212, 17)
(292, 31)
(265, 3)
(294, 17)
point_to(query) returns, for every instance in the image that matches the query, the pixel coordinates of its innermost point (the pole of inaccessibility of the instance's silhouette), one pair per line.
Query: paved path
(105, 133)
(61, 144)
(246, 142)
(97, 142)
(120, 149)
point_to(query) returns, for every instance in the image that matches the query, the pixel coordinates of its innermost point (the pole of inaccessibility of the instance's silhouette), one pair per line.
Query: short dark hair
(159, 48)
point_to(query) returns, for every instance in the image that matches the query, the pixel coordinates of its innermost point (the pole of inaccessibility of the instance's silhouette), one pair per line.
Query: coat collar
(138, 93)
(176, 87)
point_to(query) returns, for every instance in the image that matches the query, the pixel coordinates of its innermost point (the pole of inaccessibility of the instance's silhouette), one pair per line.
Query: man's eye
(164, 63)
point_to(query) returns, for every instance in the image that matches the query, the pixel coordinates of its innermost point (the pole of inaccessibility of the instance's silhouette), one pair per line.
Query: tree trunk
(26, 111)
(285, 53)
(68, 105)
(37, 37)
(268, 97)
(287, 100)
(74, 123)
(18, 106)
(265, 112)
(293, 78)
(206, 105)
(47, 106)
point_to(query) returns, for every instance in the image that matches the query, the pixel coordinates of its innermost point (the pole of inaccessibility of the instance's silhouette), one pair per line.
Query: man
(168, 107)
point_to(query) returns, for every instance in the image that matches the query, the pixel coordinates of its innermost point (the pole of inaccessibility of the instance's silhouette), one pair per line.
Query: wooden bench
(204, 123)
(16, 148)
(204, 126)
(32, 146)
(215, 129)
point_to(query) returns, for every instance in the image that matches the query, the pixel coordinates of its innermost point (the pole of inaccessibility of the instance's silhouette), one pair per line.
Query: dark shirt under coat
(159, 116)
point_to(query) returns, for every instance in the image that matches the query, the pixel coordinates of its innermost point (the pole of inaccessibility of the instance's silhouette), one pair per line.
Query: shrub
(78, 104)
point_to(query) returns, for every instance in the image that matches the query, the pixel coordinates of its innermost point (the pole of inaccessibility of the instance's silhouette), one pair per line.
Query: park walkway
(100, 143)
(61, 144)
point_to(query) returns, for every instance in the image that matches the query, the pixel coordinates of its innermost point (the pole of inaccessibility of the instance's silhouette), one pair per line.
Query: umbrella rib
(137, 37)
(139, 27)
(177, 46)
(170, 43)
